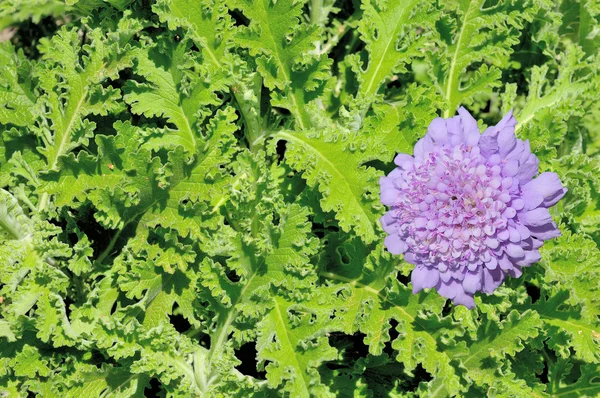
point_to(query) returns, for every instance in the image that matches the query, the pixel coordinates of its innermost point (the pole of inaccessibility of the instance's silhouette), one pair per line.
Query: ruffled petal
(547, 186)
(472, 281)
(395, 244)
(536, 217)
(424, 277)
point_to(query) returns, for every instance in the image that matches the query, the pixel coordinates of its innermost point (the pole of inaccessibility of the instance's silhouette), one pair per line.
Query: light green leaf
(16, 96)
(284, 52)
(334, 163)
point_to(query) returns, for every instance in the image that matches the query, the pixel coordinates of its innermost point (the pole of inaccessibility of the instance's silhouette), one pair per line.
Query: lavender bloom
(466, 210)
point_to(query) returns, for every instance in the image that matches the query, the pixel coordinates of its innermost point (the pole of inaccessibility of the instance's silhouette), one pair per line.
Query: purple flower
(466, 210)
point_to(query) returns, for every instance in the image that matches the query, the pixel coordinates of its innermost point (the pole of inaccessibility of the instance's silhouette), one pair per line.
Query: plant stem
(248, 99)
(110, 246)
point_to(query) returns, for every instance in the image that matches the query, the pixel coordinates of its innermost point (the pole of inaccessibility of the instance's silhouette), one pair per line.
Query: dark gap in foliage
(62, 223)
(447, 308)
(347, 9)
(153, 31)
(352, 345)
(98, 358)
(386, 167)
(349, 43)
(124, 75)
(281, 148)
(527, 53)
(153, 389)
(487, 107)
(28, 35)
(420, 375)
(543, 376)
(319, 230)
(179, 322)
(282, 111)
(239, 19)
(99, 236)
(265, 99)
(239, 133)
(204, 341)
(397, 83)
(335, 365)
(388, 349)
(533, 292)
(114, 307)
(163, 155)
(233, 276)
(489, 4)
(221, 96)
(276, 219)
(247, 354)
(194, 48)
(150, 122)
(72, 238)
(345, 344)
(404, 279)
(68, 301)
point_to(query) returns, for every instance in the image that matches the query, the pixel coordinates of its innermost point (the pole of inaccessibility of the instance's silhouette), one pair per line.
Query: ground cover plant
(190, 201)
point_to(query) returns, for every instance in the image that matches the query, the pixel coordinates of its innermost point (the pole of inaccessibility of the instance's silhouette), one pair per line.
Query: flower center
(455, 202)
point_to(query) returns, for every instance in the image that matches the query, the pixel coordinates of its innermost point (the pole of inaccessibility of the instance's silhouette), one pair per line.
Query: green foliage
(189, 197)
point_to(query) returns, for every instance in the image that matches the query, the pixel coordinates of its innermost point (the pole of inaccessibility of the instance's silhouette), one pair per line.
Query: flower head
(466, 210)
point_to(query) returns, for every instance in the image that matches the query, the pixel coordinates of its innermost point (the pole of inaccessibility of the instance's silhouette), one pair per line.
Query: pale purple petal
(548, 186)
(424, 277)
(395, 244)
(536, 217)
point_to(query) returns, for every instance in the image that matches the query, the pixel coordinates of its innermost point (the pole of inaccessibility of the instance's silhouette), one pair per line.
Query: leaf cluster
(189, 197)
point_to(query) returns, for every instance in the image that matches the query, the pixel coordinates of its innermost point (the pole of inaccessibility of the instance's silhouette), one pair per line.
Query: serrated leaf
(283, 48)
(333, 163)
(390, 30)
(16, 96)
(470, 33)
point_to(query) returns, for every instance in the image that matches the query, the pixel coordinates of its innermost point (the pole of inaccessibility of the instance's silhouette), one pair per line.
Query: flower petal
(536, 217)
(548, 186)
(395, 244)
(424, 277)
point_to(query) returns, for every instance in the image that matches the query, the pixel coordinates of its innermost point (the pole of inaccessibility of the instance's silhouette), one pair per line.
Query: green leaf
(16, 96)
(493, 343)
(64, 127)
(390, 30)
(472, 33)
(113, 381)
(586, 385)
(559, 320)
(15, 11)
(370, 301)
(210, 27)
(174, 90)
(29, 363)
(14, 224)
(284, 53)
(548, 108)
(573, 261)
(292, 338)
(334, 163)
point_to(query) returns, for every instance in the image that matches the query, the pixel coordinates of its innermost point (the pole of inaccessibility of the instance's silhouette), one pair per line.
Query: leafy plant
(189, 198)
